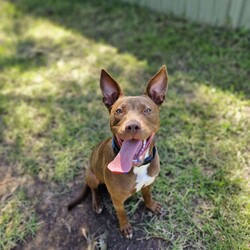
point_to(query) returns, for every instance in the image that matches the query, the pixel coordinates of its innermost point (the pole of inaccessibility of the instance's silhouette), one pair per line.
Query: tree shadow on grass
(207, 53)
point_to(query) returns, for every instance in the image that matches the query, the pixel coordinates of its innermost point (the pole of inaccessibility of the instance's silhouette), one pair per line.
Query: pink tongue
(124, 159)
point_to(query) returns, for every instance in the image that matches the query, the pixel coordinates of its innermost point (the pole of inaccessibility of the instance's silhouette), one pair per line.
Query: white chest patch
(142, 178)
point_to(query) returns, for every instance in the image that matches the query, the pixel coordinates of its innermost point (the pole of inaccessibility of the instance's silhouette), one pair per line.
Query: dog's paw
(97, 208)
(127, 231)
(156, 207)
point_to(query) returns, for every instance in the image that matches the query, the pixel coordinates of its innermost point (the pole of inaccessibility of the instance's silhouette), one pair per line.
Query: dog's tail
(80, 198)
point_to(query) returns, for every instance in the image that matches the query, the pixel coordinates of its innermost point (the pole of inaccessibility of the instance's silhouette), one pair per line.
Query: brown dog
(128, 162)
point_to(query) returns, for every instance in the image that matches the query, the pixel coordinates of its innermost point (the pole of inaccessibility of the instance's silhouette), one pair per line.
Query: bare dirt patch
(81, 228)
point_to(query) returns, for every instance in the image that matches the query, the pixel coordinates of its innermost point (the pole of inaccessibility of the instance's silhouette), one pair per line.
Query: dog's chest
(142, 177)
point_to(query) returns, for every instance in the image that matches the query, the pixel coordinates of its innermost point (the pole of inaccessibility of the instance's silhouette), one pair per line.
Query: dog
(128, 162)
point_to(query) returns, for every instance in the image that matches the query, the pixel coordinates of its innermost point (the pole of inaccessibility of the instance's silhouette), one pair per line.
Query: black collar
(147, 160)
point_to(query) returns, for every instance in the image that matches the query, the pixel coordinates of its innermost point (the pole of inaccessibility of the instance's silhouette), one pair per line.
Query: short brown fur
(142, 113)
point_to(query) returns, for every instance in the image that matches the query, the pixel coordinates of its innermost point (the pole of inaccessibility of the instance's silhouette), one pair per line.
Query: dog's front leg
(125, 227)
(154, 206)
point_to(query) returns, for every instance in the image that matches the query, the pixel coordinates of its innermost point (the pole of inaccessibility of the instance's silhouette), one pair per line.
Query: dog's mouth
(140, 145)
(132, 153)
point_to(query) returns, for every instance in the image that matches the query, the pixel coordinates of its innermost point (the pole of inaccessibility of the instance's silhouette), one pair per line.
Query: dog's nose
(133, 127)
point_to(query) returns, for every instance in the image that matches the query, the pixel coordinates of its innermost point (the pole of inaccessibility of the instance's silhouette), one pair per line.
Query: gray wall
(222, 13)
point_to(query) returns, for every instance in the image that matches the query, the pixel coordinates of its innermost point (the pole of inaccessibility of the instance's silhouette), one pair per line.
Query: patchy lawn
(51, 54)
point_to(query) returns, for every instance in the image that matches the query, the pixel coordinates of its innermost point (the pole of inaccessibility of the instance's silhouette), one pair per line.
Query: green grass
(51, 54)
(16, 221)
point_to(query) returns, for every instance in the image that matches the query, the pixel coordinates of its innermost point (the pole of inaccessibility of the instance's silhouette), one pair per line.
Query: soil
(81, 228)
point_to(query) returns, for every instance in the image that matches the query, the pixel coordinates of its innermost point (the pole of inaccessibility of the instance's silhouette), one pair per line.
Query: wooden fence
(222, 13)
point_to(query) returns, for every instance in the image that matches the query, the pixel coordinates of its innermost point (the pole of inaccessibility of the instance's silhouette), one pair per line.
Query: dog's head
(134, 120)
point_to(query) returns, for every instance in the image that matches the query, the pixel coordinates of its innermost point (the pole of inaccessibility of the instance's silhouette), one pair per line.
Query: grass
(17, 221)
(51, 111)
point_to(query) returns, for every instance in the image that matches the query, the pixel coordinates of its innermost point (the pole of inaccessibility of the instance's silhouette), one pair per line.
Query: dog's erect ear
(110, 89)
(157, 86)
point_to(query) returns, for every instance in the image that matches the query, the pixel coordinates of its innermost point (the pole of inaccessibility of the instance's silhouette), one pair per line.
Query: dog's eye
(147, 110)
(119, 111)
